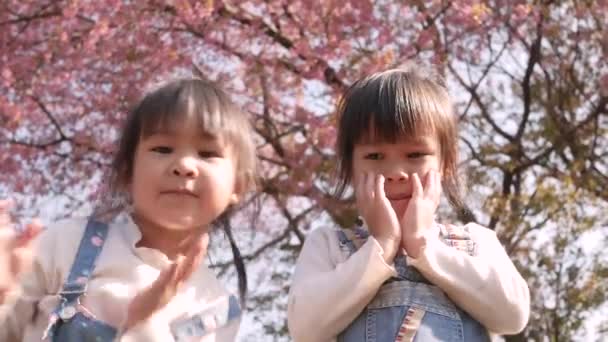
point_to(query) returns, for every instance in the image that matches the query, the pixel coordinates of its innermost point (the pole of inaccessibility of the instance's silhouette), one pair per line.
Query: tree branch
(533, 59)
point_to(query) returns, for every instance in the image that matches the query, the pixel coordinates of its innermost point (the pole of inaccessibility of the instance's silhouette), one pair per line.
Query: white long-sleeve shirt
(330, 288)
(122, 271)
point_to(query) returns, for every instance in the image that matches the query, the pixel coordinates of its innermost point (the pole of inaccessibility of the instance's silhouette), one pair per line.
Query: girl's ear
(243, 184)
(239, 189)
(235, 198)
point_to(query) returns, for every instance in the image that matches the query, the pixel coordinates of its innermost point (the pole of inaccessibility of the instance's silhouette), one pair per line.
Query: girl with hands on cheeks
(400, 274)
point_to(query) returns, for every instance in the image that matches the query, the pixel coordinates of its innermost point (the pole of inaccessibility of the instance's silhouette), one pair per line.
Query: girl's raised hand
(164, 288)
(420, 212)
(378, 213)
(15, 249)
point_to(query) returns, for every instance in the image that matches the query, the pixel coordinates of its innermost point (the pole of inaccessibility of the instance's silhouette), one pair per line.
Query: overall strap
(90, 247)
(234, 309)
(76, 284)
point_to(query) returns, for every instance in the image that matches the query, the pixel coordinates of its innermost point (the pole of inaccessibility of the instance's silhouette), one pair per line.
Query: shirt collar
(132, 236)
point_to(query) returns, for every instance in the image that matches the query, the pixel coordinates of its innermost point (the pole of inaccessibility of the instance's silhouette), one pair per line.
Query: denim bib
(408, 307)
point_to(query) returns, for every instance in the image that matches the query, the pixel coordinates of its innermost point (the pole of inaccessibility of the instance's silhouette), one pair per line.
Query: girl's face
(183, 180)
(397, 162)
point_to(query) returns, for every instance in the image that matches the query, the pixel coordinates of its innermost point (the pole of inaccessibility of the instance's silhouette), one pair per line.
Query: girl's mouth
(398, 197)
(183, 192)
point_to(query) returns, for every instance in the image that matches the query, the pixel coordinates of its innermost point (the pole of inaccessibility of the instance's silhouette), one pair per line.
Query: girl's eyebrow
(418, 141)
(209, 136)
(409, 141)
(204, 135)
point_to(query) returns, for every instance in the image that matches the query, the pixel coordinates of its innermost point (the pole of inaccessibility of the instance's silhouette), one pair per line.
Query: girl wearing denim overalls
(401, 275)
(133, 271)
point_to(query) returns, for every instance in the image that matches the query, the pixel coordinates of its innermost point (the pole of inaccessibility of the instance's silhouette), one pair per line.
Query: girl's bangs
(165, 111)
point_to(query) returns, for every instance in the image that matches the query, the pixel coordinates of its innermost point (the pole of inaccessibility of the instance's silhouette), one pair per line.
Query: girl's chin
(181, 224)
(170, 222)
(400, 206)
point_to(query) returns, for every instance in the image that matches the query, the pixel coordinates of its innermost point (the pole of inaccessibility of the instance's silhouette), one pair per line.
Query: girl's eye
(373, 156)
(415, 155)
(162, 149)
(208, 154)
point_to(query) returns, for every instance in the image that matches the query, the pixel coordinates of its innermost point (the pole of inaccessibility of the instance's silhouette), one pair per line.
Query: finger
(8, 240)
(379, 189)
(167, 287)
(5, 216)
(155, 296)
(359, 186)
(370, 186)
(434, 189)
(428, 178)
(166, 278)
(417, 190)
(379, 186)
(31, 231)
(34, 228)
(189, 266)
(204, 244)
(191, 259)
(21, 261)
(407, 179)
(180, 263)
(5, 205)
(427, 183)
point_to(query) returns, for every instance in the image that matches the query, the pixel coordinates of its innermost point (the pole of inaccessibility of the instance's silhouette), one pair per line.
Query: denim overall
(70, 322)
(408, 307)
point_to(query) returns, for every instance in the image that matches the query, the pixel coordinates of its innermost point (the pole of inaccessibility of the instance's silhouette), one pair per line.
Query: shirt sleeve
(21, 306)
(487, 285)
(320, 283)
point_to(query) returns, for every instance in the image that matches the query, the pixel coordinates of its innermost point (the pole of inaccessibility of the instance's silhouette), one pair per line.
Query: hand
(15, 250)
(378, 213)
(418, 216)
(164, 288)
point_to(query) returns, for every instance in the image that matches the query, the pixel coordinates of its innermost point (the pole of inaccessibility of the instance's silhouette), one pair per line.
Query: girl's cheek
(367, 166)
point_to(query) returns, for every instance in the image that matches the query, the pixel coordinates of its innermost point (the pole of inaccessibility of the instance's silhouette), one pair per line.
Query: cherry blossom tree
(529, 80)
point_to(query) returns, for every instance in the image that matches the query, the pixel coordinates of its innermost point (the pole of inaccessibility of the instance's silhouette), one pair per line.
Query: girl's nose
(396, 176)
(185, 167)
